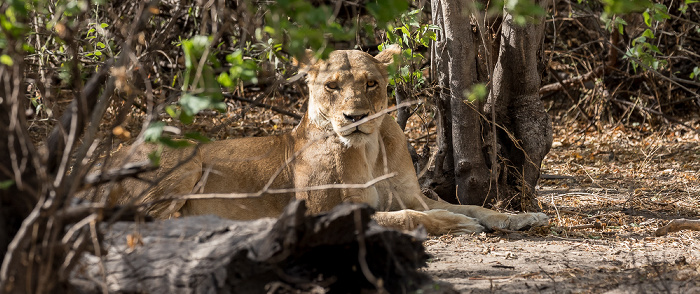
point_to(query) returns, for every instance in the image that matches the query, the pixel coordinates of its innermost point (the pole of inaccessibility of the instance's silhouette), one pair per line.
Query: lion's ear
(387, 56)
(305, 62)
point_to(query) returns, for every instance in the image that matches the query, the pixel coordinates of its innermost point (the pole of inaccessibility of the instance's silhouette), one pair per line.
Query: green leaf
(197, 137)
(654, 48)
(20, 7)
(660, 12)
(4, 185)
(205, 91)
(478, 92)
(626, 6)
(154, 156)
(192, 104)
(386, 10)
(6, 60)
(26, 47)
(225, 80)
(172, 111)
(620, 29)
(154, 131)
(174, 143)
(647, 18)
(523, 11)
(695, 73)
(186, 118)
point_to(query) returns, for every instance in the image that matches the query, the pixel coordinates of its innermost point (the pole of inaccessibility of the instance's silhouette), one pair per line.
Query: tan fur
(321, 150)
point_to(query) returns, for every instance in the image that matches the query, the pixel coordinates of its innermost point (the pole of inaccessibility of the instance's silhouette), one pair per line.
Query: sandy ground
(518, 263)
(612, 190)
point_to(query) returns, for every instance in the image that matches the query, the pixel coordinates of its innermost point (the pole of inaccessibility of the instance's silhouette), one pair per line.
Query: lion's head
(347, 88)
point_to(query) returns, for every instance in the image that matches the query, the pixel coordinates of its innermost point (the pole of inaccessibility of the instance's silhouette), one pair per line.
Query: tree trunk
(460, 174)
(464, 169)
(526, 136)
(341, 251)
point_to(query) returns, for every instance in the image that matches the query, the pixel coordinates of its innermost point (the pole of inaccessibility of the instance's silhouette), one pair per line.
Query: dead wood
(678, 225)
(656, 112)
(571, 82)
(596, 225)
(295, 253)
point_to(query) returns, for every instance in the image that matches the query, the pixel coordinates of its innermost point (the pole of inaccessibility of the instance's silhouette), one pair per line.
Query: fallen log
(342, 251)
(678, 225)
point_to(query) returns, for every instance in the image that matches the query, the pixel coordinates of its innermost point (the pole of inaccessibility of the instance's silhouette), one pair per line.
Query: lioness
(344, 138)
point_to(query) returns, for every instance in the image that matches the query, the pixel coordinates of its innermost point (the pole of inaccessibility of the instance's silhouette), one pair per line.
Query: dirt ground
(606, 192)
(517, 263)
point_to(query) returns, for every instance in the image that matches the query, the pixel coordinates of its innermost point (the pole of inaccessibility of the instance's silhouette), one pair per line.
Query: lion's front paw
(527, 220)
(440, 222)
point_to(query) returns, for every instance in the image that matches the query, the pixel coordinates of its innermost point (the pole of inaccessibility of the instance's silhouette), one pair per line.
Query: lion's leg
(181, 181)
(436, 221)
(271, 205)
(402, 191)
(492, 219)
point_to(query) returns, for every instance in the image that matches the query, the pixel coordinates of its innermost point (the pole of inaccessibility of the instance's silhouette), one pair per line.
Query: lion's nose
(354, 118)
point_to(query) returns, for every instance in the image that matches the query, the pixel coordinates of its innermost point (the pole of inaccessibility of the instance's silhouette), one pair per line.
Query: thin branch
(672, 80)
(596, 225)
(130, 170)
(561, 85)
(279, 191)
(659, 113)
(263, 105)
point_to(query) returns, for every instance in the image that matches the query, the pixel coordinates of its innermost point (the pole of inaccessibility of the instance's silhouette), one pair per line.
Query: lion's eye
(331, 85)
(371, 84)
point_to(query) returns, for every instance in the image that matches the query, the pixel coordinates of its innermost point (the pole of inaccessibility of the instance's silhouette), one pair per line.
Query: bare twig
(127, 171)
(279, 191)
(561, 85)
(263, 105)
(556, 177)
(596, 225)
(656, 112)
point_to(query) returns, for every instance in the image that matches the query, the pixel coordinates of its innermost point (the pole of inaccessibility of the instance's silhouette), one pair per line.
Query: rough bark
(465, 158)
(525, 132)
(460, 171)
(338, 252)
(441, 179)
(403, 113)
